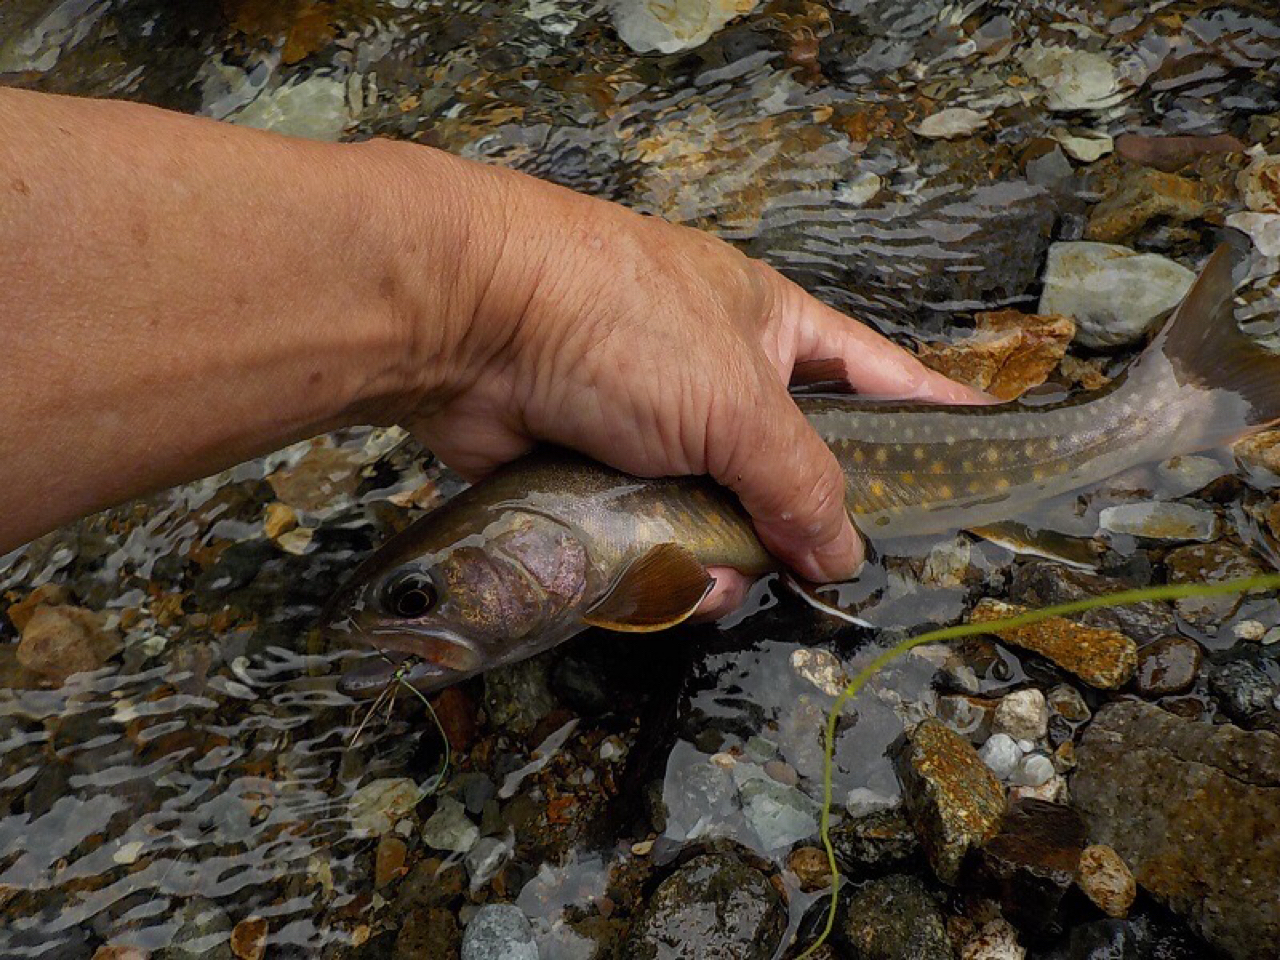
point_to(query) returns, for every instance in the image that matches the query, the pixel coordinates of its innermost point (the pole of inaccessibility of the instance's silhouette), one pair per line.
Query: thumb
(788, 480)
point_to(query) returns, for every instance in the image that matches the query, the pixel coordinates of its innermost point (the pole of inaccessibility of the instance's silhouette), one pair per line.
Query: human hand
(659, 350)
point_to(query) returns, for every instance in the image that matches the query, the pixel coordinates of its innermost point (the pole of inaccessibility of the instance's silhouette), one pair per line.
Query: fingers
(876, 366)
(788, 481)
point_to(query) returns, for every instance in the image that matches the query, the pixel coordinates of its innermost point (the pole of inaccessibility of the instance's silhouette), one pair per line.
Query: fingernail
(838, 559)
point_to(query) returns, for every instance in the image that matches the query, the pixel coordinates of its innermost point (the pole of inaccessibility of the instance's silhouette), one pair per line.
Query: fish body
(555, 542)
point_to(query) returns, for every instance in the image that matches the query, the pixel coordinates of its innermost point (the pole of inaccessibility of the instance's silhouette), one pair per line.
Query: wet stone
(378, 805)
(1101, 658)
(1041, 583)
(517, 697)
(1259, 184)
(1169, 665)
(1107, 880)
(428, 934)
(499, 931)
(1029, 865)
(1160, 520)
(203, 933)
(1247, 695)
(1008, 353)
(780, 815)
(713, 908)
(811, 868)
(952, 800)
(1192, 808)
(994, 940)
(895, 918)
(1209, 563)
(249, 939)
(449, 829)
(1142, 195)
(388, 860)
(1175, 152)
(1001, 754)
(1022, 715)
(61, 640)
(1115, 294)
(874, 843)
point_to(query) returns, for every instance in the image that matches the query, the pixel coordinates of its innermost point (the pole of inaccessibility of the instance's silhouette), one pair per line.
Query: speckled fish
(554, 543)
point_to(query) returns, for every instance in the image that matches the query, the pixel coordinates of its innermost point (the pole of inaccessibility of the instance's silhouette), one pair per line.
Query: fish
(554, 543)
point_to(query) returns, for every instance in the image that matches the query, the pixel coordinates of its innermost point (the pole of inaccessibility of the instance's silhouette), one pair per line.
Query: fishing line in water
(388, 696)
(1118, 599)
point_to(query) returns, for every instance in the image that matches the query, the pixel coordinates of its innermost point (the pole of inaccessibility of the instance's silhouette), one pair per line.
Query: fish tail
(1202, 346)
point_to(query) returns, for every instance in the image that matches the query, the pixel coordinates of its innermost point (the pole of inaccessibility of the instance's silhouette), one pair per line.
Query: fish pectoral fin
(655, 591)
(1080, 552)
(821, 376)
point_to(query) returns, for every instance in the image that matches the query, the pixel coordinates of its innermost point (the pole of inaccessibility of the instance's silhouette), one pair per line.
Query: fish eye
(410, 595)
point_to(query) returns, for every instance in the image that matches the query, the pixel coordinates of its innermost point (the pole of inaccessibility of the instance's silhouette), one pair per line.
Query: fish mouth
(377, 670)
(427, 658)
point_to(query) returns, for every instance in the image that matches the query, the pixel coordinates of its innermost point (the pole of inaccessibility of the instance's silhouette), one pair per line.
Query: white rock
(1115, 294)
(1035, 770)
(449, 828)
(1084, 148)
(997, 940)
(951, 123)
(1073, 79)
(1001, 755)
(1259, 183)
(819, 667)
(1263, 229)
(1180, 476)
(316, 108)
(376, 806)
(1158, 520)
(1023, 715)
(669, 26)
(859, 188)
(862, 801)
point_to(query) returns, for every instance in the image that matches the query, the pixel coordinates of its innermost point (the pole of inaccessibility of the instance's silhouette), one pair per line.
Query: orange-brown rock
(1009, 352)
(1101, 658)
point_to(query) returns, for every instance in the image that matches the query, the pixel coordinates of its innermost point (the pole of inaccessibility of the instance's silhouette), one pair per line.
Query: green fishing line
(1118, 599)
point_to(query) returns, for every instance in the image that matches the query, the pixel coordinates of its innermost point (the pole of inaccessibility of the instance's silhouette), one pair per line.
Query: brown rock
(1173, 153)
(1169, 665)
(811, 868)
(120, 953)
(458, 716)
(1260, 450)
(429, 934)
(59, 641)
(952, 799)
(1008, 353)
(51, 594)
(249, 938)
(1140, 197)
(1192, 807)
(1030, 864)
(1259, 184)
(1101, 658)
(388, 861)
(278, 519)
(1209, 563)
(1107, 880)
(323, 475)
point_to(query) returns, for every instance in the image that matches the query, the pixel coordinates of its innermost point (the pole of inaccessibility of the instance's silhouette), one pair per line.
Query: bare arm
(178, 295)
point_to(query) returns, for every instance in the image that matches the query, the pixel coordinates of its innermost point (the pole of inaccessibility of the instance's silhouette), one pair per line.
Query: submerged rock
(1192, 807)
(1009, 353)
(1169, 665)
(1030, 864)
(316, 108)
(499, 931)
(1209, 563)
(652, 25)
(1141, 196)
(60, 640)
(1115, 294)
(1040, 584)
(1160, 520)
(1101, 658)
(1175, 152)
(875, 842)
(950, 123)
(780, 815)
(1246, 693)
(377, 806)
(204, 933)
(449, 828)
(1259, 184)
(1073, 79)
(896, 918)
(1022, 714)
(952, 799)
(713, 908)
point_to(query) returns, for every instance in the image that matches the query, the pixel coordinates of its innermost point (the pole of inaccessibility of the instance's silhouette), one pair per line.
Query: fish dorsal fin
(655, 591)
(830, 375)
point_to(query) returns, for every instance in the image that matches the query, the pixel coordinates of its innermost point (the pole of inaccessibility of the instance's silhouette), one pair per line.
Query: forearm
(178, 295)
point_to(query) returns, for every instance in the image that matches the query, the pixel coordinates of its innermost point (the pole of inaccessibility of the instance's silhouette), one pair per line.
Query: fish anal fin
(1078, 552)
(657, 590)
(829, 375)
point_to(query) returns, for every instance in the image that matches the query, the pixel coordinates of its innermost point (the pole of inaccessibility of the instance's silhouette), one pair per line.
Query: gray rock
(896, 918)
(1160, 520)
(780, 815)
(449, 828)
(518, 696)
(1001, 754)
(316, 108)
(713, 908)
(874, 842)
(204, 933)
(1072, 79)
(1246, 693)
(1022, 714)
(648, 25)
(1041, 583)
(499, 931)
(1115, 295)
(1192, 808)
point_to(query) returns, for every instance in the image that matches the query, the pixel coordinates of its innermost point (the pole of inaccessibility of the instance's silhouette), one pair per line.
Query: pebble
(517, 697)
(1106, 880)
(780, 815)
(449, 829)
(1101, 658)
(1008, 353)
(1209, 563)
(388, 860)
(1053, 790)
(376, 806)
(1262, 228)
(1030, 864)
(811, 868)
(1160, 520)
(1141, 196)
(59, 641)
(1001, 754)
(1180, 476)
(1260, 450)
(1115, 294)
(653, 25)
(783, 772)
(952, 799)
(995, 940)
(1245, 692)
(485, 859)
(316, 108)
(1169, 665)
(874, 843)
(819, 667)
(1022, 714)
(1175, 152)
(249, 938)
(1072, 79)
(1066, 701)
(1084, 147)
(1259, 183)
(499, 931)
(951, 123)
(116, 952)
(278, 519)
(1035, 770)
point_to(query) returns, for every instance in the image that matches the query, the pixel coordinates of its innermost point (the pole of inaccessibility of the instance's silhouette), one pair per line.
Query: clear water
(206, 774)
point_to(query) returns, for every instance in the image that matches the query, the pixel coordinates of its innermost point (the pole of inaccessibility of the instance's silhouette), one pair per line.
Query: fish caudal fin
(1205, 347)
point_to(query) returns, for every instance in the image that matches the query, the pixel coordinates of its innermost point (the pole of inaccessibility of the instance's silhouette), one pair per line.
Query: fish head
(457, 596)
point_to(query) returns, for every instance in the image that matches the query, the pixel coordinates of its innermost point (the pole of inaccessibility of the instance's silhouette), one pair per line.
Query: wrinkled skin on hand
(660, 350)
